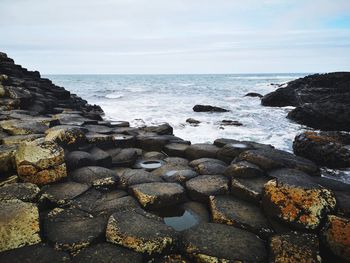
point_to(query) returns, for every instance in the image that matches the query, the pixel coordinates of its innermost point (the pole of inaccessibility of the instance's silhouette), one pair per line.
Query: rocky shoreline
(77, 188)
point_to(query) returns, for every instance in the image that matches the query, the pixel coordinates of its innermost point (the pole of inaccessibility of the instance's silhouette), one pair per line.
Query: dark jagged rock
(163, 129)
(208, 108)
(253, 94)
(230, 123)
(193, 121)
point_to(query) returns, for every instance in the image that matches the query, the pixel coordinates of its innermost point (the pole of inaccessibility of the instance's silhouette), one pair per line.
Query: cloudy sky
(177, 36)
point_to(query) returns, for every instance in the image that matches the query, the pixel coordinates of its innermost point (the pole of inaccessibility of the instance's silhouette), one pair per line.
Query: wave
(264, 77)
(114, 96)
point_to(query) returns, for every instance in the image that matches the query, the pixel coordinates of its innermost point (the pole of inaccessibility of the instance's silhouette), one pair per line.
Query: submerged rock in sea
(208, 108)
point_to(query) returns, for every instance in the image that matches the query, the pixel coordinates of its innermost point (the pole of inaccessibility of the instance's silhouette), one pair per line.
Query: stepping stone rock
(294, 247)
(72, 229)
(176, 161)
(41, 253)
(154, 156)
(336, 236)
(176, 149)
(123, 157)
(163, 129)
(201, 150)
(99, 129)
(250, 189)
(201, 187)
(178, 176)
(26, 192)
(100, 140)
(152, 143)
(232, 150)
(140, 231)
(208, 166)
(243, 170)
(232, 211)
(19, 224)
(124, 141)
(209, 242)
(132, 177)
(208, 108)
(78, 159)
(17, 139)
(62, 194)
(170, 167)
(297, 200)
(95, 176)
(7, 158)
(101, 158)
(107, 253)
(66, 135)
(18, 127)
(40, 162)
(157, 195)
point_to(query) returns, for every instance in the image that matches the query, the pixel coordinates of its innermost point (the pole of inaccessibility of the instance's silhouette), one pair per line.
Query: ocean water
(154, 99)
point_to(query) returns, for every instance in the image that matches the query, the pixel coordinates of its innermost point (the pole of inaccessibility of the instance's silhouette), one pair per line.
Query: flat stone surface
(123, 157)
(232, 150)
(17, 139)
(107, 253)
(140, 231)
(209, 242)
(7, 158)
(72, 229)
(294, 247)
(19, 224)
(78, 159)
(243, 170)
(250, 189)
(164, 169)
(101, 157)
(176, 149)
(99, 129)
(201, 187)
(26, 192)
(179, 176)
(66, 135)
(18, 127)
(176, 161)
(95, 176)
(201, 150)
(232, 211)
(208, 166)
(157, 195)
(131, 177)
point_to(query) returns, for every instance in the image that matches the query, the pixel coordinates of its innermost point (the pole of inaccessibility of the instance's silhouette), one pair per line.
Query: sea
(155, 99)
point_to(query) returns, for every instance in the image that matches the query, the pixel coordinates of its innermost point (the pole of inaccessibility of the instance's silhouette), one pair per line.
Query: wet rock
(72, 229)
(164, 169)
(232, 150)
(201, 187)
(152, 143)
(17, 139)
(149, 165)
(101, 157)
(208, 108)
(198, 210)
(230, 123)
(343, 203)
(95, 176)
(228, 244)
(18, 127)
(7, 159)
(99, 129)
(77, 159)
(178, 176)
(294, 247)
(40, 162)
(272, 159)
(163, 129)
(253, 94)
(232, 211)
(123, 157)
(329, 149)
(115, 124)
(193, 121)
(154, 155)
(19, 223)
(41, 253)
(140, 231)
(336, 236)
(124, 141)
(157, 195)
(12, 179)
(62, 194)
(100, 140)
(208, 166)
(197, 151)
(176, 149)
(26, 192)
(243, 170)
(66, 135)
(297, 200)
(177, 161)
(107, 253)
(250, 189)
(132, 177)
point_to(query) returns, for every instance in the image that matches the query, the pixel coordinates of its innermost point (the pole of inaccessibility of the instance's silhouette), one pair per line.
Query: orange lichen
(318, 138)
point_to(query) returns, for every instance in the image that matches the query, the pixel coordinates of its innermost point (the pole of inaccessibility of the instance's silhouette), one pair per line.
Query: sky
(176, 36)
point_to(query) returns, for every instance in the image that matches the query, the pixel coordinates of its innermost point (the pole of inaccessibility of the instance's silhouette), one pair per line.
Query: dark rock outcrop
(208, 108)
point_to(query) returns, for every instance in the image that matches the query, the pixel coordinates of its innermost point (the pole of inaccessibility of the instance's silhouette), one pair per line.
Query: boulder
(208, 108)
(163, 129)
(132, 177)
(201, 150)
(26, 192)
(19, 224)
(157, 195)
(243, 169)
(201, 187)
(228, 244)
(95, 176)
(140, 231)
(178, 176)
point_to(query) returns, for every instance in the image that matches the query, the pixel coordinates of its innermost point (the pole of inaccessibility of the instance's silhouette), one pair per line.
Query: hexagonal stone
(19, 224)
(95, 176)
(201, 150)
(178, 161)
(243, 170)
(297, 200)
(250, 189)
(41, 253)
(7, 158)
(209, 242)
(26, 192)
(201, 187)
(153, 155)
(17, 139)
(179, 176)
(101, 157)
(123, 157)
(231, 150)
(232, 211)
(294, 247)
(20, 127)
(78, 159)
(335, 235)
(107, 253)
(137, 176)
(63, 193)
(140, 231)
(66, 135)
(176, 149)
(99, 129)
(208, 166)
(157, 195)
(72, 229)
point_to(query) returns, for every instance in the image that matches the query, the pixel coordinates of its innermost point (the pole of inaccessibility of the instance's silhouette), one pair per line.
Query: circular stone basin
(239, 145)
(150, 165)
(178, 218)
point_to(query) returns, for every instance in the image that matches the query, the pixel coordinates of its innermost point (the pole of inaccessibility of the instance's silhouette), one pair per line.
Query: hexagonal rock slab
(176, 149)
(7, 158)
(201, 150)
(294, 247)
(297, 200)
(243, 170)
(40, 162)
(131, 177)
(26, 192)
(78, 159)
(140, 231)
(20, 127)
(250, 189)
(95, 176)
(231, 150)
(209, 242)
(157, 195)
(17, 139)
(201, 187)
(123, 157)
(19, 224)
(101, 158)
(232, 211)
(41, 253)
(336, 236)
(72, 229)
(178, 176)
(66, 135)
(107, 253)
(208, 166)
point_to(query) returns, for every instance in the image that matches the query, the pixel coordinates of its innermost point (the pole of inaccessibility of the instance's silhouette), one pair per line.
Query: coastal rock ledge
(77, 188)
